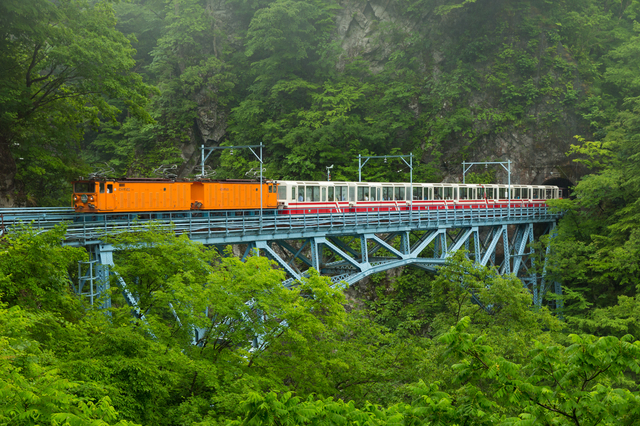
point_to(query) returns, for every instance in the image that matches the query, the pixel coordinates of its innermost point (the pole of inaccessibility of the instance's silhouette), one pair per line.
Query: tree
(558, 385)
(32, 391)
(599, 243)
(62, 62)
(34, 270)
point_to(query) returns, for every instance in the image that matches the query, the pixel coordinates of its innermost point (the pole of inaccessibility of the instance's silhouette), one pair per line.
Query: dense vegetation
(87, 82)
(144, 83)
(271, 355)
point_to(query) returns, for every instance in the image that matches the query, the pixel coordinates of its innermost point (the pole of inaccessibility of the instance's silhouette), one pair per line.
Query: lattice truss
(350, 258)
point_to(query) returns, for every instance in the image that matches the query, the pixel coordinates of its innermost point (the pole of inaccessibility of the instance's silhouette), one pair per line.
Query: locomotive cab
(85, 196)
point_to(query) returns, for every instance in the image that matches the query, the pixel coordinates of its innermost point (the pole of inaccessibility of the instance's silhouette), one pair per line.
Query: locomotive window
(472, 193)
(313, 193)
(438, 193)
(330, 194)
(379, 193)
(282, 192)
(428, 194)
(417, 193)
(102, 187)
(516, 193)
(341, 193)
(352, 193)
(536, 193)
(400, 193)
(109, 188)
(82, 187)
(324, 194)
(549, 193)
(301, 193)
(502, 193)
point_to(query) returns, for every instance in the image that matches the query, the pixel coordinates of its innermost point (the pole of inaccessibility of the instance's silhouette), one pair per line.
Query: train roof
(339, 182)
(160, 180)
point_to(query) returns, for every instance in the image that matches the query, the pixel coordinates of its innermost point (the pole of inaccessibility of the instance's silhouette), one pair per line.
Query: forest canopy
(130, 86)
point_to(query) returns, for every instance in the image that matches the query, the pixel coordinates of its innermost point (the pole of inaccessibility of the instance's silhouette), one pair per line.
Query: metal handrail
(85, 227)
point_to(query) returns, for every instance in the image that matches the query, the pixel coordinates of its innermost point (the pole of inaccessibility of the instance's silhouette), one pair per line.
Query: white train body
(296, 197)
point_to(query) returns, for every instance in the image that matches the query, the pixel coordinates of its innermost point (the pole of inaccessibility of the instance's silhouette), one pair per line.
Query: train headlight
(91, 198)
(75, 198)
(84, 198)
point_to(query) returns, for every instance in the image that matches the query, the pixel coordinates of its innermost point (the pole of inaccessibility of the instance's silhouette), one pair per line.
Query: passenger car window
(417, 193)
(313, 193)
(363, 194)
(448, 193)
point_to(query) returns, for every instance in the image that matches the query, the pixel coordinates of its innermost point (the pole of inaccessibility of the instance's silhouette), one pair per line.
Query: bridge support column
(316, 254)
(476, 245)
(364, 249)
(263, 245)
(94, 274)
(524, 234)
(405, 243)
(506, 264)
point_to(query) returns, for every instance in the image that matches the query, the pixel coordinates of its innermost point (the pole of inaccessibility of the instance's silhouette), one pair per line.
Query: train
(297, 197)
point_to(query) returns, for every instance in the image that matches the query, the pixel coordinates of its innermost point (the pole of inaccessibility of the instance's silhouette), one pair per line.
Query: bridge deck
(238, 227)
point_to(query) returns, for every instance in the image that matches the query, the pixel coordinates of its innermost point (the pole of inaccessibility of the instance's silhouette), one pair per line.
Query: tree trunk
(7, 174)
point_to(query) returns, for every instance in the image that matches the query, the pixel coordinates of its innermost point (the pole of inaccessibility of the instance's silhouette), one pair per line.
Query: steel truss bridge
(345, 246)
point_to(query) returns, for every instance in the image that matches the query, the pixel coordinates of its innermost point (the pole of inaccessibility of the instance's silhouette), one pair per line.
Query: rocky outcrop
(537, 150)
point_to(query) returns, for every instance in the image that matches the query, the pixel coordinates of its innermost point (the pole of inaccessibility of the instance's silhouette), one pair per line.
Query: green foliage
(278, 74)
(63, 61)
(559, 385)
(35, 267)
(32, 390)
(598, 240)
(429, 305)
(267, 354)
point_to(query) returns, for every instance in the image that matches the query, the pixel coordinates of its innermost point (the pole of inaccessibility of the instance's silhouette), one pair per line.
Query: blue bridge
(346, 246)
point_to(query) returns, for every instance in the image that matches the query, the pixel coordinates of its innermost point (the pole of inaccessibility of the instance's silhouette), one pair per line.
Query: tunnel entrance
(565, 185)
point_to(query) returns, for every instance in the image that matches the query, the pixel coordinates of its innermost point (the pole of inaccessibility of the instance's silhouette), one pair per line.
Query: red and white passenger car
(298, 197)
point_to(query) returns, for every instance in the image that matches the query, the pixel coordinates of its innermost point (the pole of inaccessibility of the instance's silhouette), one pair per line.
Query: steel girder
(352, 248)
(352, 257)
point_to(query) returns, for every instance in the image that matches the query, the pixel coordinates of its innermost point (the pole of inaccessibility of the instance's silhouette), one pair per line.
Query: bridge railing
(82, 228)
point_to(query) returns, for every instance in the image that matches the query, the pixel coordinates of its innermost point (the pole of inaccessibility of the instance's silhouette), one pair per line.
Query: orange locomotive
(143, 195)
